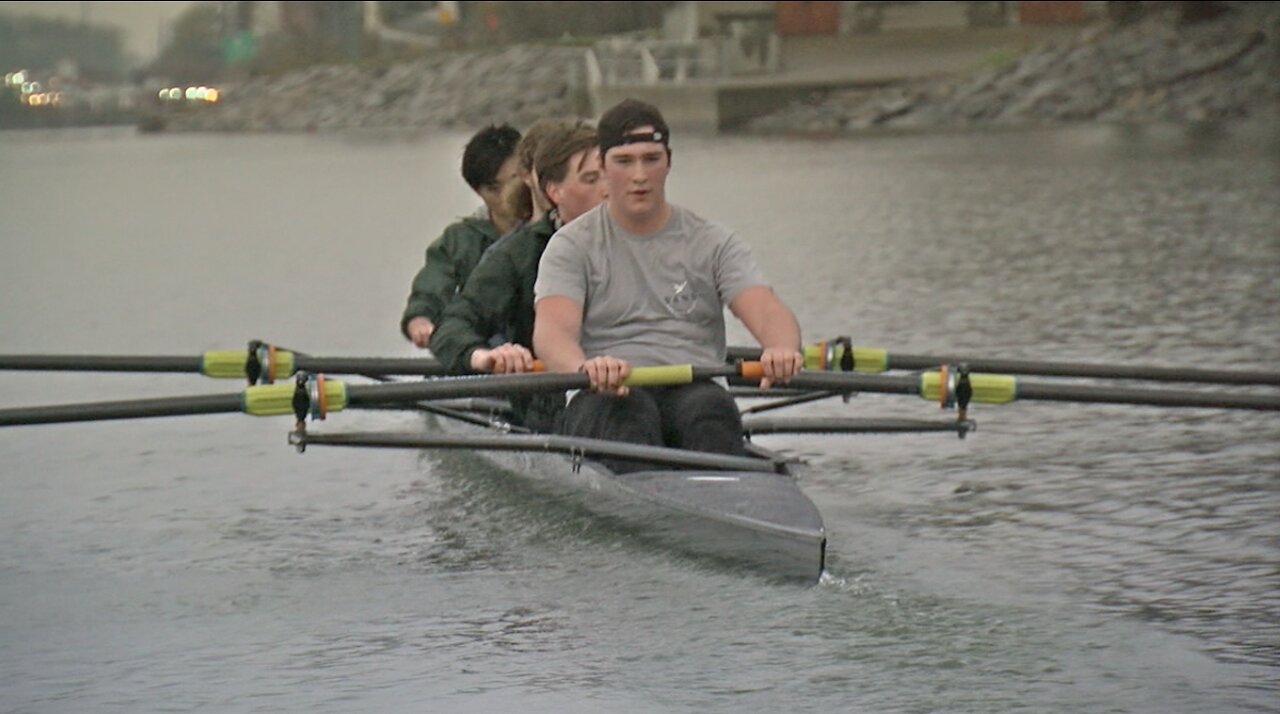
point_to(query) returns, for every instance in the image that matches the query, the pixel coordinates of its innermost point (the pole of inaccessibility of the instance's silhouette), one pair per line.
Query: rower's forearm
(779, 329)
(558, 351)
(568, 360)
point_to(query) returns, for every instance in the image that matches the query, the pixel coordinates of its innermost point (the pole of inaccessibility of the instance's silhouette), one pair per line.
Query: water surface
(1062, 558)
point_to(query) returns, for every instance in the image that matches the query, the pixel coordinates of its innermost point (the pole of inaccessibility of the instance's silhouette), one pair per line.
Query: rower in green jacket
(488, 163)
(498, 297)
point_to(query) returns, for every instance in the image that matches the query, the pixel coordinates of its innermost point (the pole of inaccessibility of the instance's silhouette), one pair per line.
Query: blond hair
(517, 197)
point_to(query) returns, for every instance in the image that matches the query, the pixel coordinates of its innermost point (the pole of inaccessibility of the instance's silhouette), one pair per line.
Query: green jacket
(498, 300)
(450, 259)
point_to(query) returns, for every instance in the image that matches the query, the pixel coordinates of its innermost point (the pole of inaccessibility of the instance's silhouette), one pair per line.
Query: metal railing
(648, 61)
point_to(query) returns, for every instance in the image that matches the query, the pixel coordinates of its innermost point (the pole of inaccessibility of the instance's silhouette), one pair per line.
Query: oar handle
(674, 374)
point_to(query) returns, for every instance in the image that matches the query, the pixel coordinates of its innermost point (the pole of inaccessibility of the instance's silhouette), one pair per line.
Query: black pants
(701, 417)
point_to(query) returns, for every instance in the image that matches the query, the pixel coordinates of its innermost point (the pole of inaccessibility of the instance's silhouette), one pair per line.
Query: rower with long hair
(498, 297)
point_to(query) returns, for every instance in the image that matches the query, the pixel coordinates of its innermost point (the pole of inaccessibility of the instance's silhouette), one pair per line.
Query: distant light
(163, 94)
(20, 76)
(175, 93)
(211, 96)
(191, 92)
(27, 88)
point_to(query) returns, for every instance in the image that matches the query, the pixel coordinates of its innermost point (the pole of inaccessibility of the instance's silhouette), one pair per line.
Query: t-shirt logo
(682, 300)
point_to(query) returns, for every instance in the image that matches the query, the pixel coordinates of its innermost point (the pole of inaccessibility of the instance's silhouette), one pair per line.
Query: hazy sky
(141, 21)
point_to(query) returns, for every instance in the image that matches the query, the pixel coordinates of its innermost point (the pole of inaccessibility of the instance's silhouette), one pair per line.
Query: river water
(1063, 558)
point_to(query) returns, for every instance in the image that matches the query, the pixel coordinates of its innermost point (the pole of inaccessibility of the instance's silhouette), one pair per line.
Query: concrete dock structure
(750, 68)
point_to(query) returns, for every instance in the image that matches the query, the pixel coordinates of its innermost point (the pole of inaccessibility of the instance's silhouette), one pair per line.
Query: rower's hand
(503, 359)
(607, 374)
(780, 364)
(420, 330)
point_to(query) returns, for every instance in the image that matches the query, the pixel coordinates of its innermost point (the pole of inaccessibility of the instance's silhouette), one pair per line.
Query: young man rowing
(640, 281)
(498, 297)
(488, 165)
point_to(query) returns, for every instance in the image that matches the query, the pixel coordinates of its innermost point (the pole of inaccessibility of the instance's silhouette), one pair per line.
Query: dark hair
(554, 151)
(618, 123)
(485, 154)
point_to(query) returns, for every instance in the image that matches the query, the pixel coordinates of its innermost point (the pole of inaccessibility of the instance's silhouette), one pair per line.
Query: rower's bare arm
(556, 326)
(775, 327)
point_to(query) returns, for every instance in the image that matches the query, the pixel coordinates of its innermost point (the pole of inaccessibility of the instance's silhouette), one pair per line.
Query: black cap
(619, 123)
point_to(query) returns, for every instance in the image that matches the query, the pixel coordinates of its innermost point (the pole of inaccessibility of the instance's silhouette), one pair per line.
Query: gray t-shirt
(651, 300)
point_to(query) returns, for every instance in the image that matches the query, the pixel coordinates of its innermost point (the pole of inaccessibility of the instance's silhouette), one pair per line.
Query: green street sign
(239, 47)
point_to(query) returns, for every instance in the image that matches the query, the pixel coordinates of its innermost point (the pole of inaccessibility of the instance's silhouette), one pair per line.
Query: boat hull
(757, 521)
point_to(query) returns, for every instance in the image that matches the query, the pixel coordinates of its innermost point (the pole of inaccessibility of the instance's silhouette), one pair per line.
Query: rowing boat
(741, 512)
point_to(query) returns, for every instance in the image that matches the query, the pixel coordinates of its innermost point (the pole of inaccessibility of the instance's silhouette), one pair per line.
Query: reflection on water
(1062, 558)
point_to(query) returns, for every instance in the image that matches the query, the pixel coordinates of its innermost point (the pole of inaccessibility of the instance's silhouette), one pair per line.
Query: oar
(579, 447)
(229, 364)
(839, 355)
(261, 363)
(318, 396)
(278, 364)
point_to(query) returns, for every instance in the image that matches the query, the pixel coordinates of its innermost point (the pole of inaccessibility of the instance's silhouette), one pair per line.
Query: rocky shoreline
(516, 85)
(1154, 70)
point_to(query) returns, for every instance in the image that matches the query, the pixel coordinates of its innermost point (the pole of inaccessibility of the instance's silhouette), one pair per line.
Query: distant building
(340, 24)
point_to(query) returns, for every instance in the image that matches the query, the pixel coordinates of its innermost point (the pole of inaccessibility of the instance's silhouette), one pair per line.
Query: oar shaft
(854, 382)
(403, 367)
(226, 363)
(504, 385)
(128, 409)
(100, 363)
(501, 385)
(1147, 397)
(1084, 369)
(1002, 388)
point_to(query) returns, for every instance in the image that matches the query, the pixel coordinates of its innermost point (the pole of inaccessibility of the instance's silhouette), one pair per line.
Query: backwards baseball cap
(619, 125)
